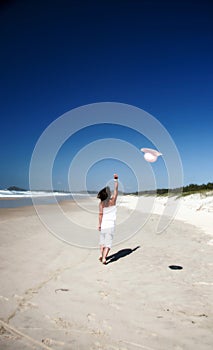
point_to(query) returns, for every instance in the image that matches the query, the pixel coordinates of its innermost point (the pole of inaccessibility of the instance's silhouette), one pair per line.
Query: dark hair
(104, 194)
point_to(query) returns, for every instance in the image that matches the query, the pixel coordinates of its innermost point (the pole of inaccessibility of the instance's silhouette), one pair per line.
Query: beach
(155, 293)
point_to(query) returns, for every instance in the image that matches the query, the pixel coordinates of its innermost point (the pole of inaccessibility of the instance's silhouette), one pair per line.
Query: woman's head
(104, 194)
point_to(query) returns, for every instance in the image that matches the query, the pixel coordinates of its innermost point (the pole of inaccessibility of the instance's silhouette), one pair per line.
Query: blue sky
(59, 55)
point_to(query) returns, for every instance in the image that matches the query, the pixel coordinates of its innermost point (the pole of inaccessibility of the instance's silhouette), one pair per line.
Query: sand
(54, 295)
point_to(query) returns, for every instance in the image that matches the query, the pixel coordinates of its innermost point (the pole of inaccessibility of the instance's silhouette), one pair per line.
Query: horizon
(93, 191)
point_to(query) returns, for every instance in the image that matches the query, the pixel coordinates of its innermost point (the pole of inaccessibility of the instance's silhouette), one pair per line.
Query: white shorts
(106, 236)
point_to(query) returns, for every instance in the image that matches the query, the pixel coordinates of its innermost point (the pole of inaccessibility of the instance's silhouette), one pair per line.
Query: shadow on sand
(120, 254)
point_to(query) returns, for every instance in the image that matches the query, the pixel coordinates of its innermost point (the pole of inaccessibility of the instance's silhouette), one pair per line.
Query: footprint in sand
(103, 294)
(48, 341)
(24, 305)
(6, 335)
(60, 322)
(91, 317)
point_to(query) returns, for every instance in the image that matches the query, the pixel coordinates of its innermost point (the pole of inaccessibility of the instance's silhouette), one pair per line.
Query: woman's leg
(105, 254)
(102, 244)
(101, 252)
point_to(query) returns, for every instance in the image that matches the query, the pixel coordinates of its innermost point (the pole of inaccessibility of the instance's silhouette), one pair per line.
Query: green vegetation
(198, 188)
(185, 191)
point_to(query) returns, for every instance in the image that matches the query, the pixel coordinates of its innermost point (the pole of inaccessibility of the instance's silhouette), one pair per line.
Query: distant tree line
(194, 187)
(189, 188)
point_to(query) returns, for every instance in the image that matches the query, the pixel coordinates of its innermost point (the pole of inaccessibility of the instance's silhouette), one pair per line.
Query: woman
(107, 217)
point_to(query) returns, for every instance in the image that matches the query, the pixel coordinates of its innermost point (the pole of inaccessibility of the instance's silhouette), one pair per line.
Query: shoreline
(195, 209)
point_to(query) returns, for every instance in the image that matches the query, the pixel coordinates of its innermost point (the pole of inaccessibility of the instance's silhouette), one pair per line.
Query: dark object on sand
(62, 290)
(175, 267)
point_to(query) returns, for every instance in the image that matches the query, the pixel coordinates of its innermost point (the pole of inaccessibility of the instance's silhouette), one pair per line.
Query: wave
(14, 199)
(7, 194)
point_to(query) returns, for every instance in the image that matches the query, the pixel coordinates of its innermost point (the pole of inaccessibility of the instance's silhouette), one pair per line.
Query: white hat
(150, 155)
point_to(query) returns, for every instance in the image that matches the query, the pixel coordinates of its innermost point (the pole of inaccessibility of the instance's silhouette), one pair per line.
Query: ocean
(15, 199)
